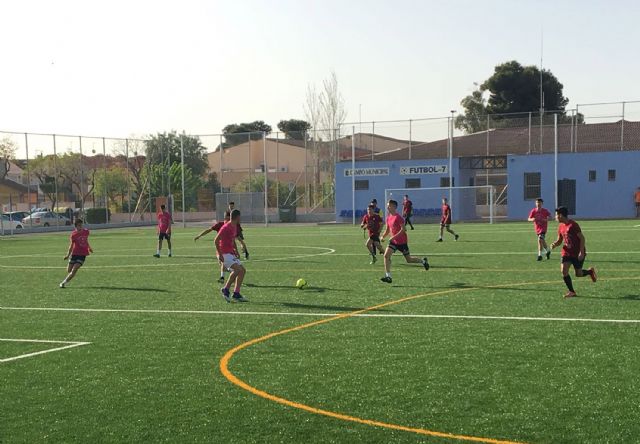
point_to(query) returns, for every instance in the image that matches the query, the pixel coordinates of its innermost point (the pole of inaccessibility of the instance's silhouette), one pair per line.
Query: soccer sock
(236, 289)
(568, 283)
(169, 250)
(387, 274)
(586, 273)
(158, 251)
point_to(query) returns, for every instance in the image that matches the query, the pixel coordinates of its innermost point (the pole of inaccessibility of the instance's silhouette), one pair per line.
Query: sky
(120, 68)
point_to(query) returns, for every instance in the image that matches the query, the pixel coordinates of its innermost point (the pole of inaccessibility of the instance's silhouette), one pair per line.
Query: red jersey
(407, 208)
(217, 226)
(541, 217)
(569, 232)
(446, 214)
(373, 223)
(226, 237)
(395, 222)
(164, 222)
(80, 241)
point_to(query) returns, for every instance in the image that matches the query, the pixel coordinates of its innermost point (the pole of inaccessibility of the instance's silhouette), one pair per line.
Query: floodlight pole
(184, 223)
(353, 175)
(555, 157)
(266, 170)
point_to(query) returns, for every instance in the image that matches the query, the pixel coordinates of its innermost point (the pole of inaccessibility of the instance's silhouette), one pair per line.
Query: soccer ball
(301, 283)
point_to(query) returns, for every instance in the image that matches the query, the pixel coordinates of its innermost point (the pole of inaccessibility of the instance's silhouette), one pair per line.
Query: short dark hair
(563, 211)
(371, 207)
(539, 199)
(162, 207)
(227, 215)
(393, 202)
(406, 195)
(232, 203)
(77, 222)
(374, 201)
(235, 214)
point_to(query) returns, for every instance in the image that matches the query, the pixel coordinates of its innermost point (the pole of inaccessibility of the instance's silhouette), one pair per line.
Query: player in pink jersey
(164, 230)
(540, 216)
(397, 242)
(240, 235)
(445, 220)
(216, 227)
(228, 255)
(79, 249)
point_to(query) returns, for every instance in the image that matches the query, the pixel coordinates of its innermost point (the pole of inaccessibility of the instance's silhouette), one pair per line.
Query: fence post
(529, 150)
(55, 172)
(266, 183)
(184, 223)
(410, 137)
(353, 175)
(555, 157)
(26, 146)
(622, 129)
(126, 155)
(104, 171)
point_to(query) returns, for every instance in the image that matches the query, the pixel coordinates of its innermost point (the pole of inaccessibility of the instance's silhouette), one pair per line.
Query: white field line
(295, 314)
(49, 350)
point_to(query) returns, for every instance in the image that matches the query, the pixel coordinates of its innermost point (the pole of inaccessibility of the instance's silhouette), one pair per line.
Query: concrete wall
(601, 199)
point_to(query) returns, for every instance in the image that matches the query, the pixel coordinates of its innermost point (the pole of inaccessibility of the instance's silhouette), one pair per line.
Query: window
(412, 183)
(362, 184)
(444, 182)
(592, 175)
(532, 186)
(612, 175)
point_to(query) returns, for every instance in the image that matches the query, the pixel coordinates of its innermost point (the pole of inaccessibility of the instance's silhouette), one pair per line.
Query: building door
(567, 194)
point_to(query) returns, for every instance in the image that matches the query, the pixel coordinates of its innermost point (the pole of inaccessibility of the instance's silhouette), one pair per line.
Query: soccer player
(373, 223)
(229, 257)
(376, 210)
(397, 242)
(407, 210)
(216, 227)
(539, 216)
(164, 229)
(574, 250)
(445, 220)
(240, 235)
(79, 249)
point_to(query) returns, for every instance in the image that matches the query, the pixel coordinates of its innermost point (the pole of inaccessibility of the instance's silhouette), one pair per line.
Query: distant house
(14, 195)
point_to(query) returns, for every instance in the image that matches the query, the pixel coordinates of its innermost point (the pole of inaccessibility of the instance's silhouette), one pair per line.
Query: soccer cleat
(246, 255)
(439, 240)
(221, 279)
(570, 294)
(412, 228)
(593, 275)
(169, 255)
(386, 279)
(156, 255)
(539, 258)
(425, 263)
(548, 255)
(237, 297)
(225, 294)
(373, 260)
(61, 285)
(455, 238)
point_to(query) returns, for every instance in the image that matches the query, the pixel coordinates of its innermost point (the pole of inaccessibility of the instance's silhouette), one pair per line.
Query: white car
(43, 219)
(8, 224)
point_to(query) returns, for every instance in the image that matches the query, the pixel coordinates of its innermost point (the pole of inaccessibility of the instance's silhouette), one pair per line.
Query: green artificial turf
(464, 356)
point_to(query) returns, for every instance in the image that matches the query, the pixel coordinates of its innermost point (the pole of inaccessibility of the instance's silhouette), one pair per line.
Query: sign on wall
(366, 172)
(426, 169)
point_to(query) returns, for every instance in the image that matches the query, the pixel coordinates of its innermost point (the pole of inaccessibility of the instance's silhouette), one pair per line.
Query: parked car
(17, 215)
(45, 219)
(10, 224)
(63, 219)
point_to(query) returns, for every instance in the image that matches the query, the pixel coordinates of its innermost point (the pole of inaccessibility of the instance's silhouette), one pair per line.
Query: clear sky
(116, 68)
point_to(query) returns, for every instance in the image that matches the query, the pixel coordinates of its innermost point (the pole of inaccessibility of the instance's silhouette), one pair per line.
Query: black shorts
(76, 259)
(445, 224)
(542, 235)
(374, 238)
(402, 248)
(577, 264)
(166, 236)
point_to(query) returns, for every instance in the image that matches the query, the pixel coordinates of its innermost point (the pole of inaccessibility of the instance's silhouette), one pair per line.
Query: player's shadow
(628, 297)
(308, 289)
(141, 289)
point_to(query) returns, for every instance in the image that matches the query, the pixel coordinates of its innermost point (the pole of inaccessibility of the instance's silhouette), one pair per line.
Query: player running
(216, 227)
(376, 210)
(539, 216)
(407, 210)
(240, 235)
(397, 241)
(445, 220)
(229, 257)
(79, 249)
(164, 229)
(373, 223)
(574, 250)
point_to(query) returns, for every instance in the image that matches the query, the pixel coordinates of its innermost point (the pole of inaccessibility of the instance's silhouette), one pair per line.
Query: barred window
(532, 186)
(362, 184)
(444, 182)
(612, 175)
(412, 183)
(592, 175)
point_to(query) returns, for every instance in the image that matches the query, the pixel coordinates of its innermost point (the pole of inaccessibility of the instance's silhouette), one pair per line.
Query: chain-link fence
(124, 181)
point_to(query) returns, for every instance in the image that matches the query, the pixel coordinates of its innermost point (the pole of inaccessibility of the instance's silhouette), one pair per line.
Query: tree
(44, 169)
(129, 154)
(295, 129)
(7, 153)
(76, 174)
(192, 183)
(512, 88)
(237, 133)
(112, 183)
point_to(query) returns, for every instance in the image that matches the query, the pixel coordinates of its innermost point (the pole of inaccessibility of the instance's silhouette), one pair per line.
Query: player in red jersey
(407, 210)
(397, 242)
(216, 227)
(240, 235)
(574, 250)
(79, 249)
(372, 222)
(228, 255)
(445, 220)
(164, 230)
(539, 216)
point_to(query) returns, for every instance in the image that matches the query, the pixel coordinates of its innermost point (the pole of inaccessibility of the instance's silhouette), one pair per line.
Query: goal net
(467, 203)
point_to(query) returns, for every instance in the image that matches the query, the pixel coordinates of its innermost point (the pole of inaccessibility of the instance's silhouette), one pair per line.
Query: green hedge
(97, 215)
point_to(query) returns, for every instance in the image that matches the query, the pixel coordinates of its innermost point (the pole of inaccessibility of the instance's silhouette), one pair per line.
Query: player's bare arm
(217, 244)
(557, 242)
(402, 230)
(386, 231)
(204, 233)
(69, 251)
(583, 245)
